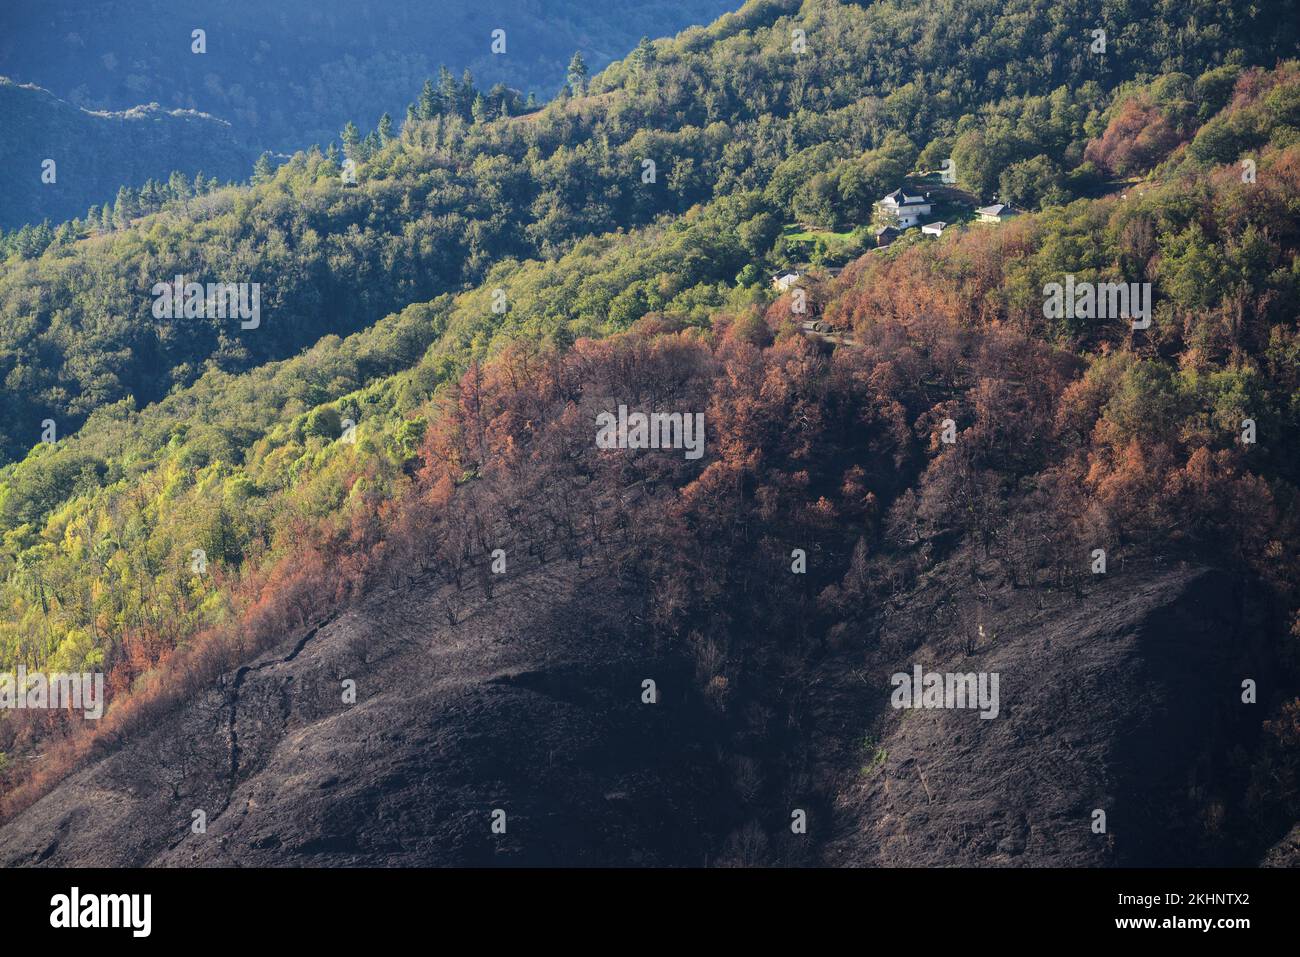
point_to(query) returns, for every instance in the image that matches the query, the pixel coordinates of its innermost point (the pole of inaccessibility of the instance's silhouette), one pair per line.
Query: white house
(904, 209)
(783, 283)
(997, 213)
(934, 229)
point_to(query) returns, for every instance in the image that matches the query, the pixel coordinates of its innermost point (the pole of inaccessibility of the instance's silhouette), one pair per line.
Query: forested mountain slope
(523, 690)
(721, 110)
(473, 432)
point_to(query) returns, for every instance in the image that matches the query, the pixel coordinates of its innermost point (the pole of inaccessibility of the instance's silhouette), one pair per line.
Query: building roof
(900, 198)
(997, 209)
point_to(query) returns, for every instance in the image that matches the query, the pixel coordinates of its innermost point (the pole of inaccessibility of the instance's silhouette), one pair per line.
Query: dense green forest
(432, 326)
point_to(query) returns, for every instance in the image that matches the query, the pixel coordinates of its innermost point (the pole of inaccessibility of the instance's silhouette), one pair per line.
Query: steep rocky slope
(532, 703)
(1117, 701)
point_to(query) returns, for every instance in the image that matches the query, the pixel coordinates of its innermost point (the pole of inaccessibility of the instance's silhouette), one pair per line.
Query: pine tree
(429, 107)
(447, 91)
(643, 56)
(22, 242)
(124, 209)
(578, 74)
(467, 93)
(178, 185)
(262, 169)
(479, 112)
(351, 137)
(385, 130)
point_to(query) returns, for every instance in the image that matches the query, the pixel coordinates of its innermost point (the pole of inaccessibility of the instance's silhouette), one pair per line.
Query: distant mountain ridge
(95, 153)
(295, 73)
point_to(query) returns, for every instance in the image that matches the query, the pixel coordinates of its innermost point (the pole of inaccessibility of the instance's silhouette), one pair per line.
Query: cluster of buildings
(904, 210)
